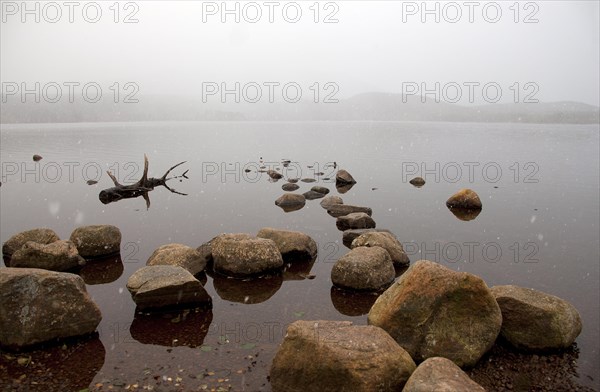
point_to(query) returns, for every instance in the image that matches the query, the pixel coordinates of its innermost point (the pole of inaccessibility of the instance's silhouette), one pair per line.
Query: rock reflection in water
(102, 271)
(465, 214)
(297, 269)
(247, 291)
(343, 188)
(184, 327)
(350, 303)
(70, 365)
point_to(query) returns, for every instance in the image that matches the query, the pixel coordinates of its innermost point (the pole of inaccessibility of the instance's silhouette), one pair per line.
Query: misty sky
(171, 50)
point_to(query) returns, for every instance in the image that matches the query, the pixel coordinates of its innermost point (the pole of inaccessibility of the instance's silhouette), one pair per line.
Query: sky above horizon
(545, 50)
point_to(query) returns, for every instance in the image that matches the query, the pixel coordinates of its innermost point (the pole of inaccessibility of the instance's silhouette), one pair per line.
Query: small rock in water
(92, 182)
(308, 180)
(247, 170)
(417, 182)
(343, 177)
(312, 195)
(37, 158)
(293, 180)
(320, 189)
(274, 175)
(291, 202)
(466, 199)
(289, 187)
(357, 220)
(331, 200)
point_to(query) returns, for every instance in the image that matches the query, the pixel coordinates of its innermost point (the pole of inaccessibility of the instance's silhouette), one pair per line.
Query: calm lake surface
(539, 227)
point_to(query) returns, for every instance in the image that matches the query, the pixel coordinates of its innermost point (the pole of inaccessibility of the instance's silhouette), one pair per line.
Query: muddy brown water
(539, 228)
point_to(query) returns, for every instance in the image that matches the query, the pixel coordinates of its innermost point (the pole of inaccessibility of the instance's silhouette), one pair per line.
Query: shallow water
(539, 226)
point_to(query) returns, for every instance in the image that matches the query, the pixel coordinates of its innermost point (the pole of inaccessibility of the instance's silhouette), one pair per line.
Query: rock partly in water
(291, 244)
(350, 235)
(364, 269)
(274, 174)
(240, 255)
(417, 181)
(293, 180)
(320, 189)
(357, 220)
(60, 255)
(37, 306)
(343, 177)
(159, 286)
(343, 188)
(388, 242)
(291, 202)
(37, 158)
(440, 374)
(433, 311)
(535, 321)
(338, 210)
(333, 356)
(331, 200)
(308, 180)
(464, 199)
(181, 255)
(312, 195)
(16, 242)
(289, 187)
(97, 240)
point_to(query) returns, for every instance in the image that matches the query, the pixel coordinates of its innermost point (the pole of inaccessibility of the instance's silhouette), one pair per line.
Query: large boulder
(60, 255)
(533, 320)
(16, 242)
(331, 200)
(97, 240)
(464, 199)
(159, 286)
(357, 220)
(433, 311)
(364, 268)
(240, 255)
(181, 255)
(337, 210)
(291, 244)
(343, 177)
(336, 356)
(38, 305)
(388, 242)
(440, 375)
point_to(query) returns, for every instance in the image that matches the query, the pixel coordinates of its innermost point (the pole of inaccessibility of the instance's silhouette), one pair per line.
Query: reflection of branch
(164, 178)
(147, 198)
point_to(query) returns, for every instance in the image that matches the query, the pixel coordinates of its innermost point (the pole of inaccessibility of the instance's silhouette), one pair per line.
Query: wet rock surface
(60, 255)
(291, 244)
(291, 202)
(337, 210)
(42, 236)
(387, 241)
(350, 358)
(350, 235)
(427, 309)
(177, 254)
(240, 255)
(38, 306)
(536, 321)
(97, 240)
(357, 220)
(331, 200)
(160, 286)
(440, 374)
(343, 177)
(365, 269)
(464, 199)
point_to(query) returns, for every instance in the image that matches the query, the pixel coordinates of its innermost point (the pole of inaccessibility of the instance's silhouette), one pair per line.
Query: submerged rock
(181, 255)
(533, 320)
(331, 200)
(60, 255)
(97, 240)
(337, 210)
(159, 286)
(291, 202)
(240, 255)
(417, 181)
(388, 242)
(433, 311)
(440, 374)
(291, 244)
(333, 356)
(365, 269)
(289, 187)
(38, 306)
(464, 199)
(343, 188)
(357, 220)
(343, 177)
(312, 195)
(42, 236)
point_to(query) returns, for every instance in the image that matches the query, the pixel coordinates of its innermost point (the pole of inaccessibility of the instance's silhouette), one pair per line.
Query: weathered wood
(140, 188)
